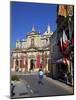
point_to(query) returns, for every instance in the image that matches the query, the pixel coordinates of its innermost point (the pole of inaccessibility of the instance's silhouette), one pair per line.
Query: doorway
(61, 70)
(32, 64)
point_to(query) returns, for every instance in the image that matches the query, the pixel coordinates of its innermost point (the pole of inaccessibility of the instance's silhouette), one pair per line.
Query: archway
(32, 64)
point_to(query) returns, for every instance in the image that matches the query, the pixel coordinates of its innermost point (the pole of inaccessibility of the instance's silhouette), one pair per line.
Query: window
(32, 42)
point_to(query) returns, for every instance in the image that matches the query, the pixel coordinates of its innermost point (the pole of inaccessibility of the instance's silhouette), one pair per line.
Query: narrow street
(49, 87)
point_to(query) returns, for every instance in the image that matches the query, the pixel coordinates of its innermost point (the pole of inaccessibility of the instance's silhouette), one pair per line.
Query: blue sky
(24, 15)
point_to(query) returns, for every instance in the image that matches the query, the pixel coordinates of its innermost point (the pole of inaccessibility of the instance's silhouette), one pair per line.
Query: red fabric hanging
(65, 61)
(63, 44)
(38, 61)
(65, 41)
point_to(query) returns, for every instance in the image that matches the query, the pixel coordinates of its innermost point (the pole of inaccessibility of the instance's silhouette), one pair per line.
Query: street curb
(63, 85)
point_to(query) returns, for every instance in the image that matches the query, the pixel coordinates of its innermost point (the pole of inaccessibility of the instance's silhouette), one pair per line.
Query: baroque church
(32, 53)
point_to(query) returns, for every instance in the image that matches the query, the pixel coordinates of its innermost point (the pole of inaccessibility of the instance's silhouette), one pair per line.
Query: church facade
(32, 53)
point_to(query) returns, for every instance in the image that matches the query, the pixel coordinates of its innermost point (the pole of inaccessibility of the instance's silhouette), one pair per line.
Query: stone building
(54, 55)
(62, 56)
(32, 52)
(65, 42)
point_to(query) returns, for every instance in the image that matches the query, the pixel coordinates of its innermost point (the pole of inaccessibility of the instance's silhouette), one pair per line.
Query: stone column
(46, 68)
(13, 69)
(24, 62)
(19, 64)
(28, 64)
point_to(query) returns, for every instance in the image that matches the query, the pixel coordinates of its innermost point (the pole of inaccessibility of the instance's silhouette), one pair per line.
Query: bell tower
(48, 29)
(33, 28)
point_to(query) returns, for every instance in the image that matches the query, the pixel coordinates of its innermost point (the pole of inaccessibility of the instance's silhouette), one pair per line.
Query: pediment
(32, 49)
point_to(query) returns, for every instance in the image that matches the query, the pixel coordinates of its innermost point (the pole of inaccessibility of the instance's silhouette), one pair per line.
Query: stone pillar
(46, 69)
(13, 69)
(19, 64)
(28, 64)
(23, 63)
(46, 66)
